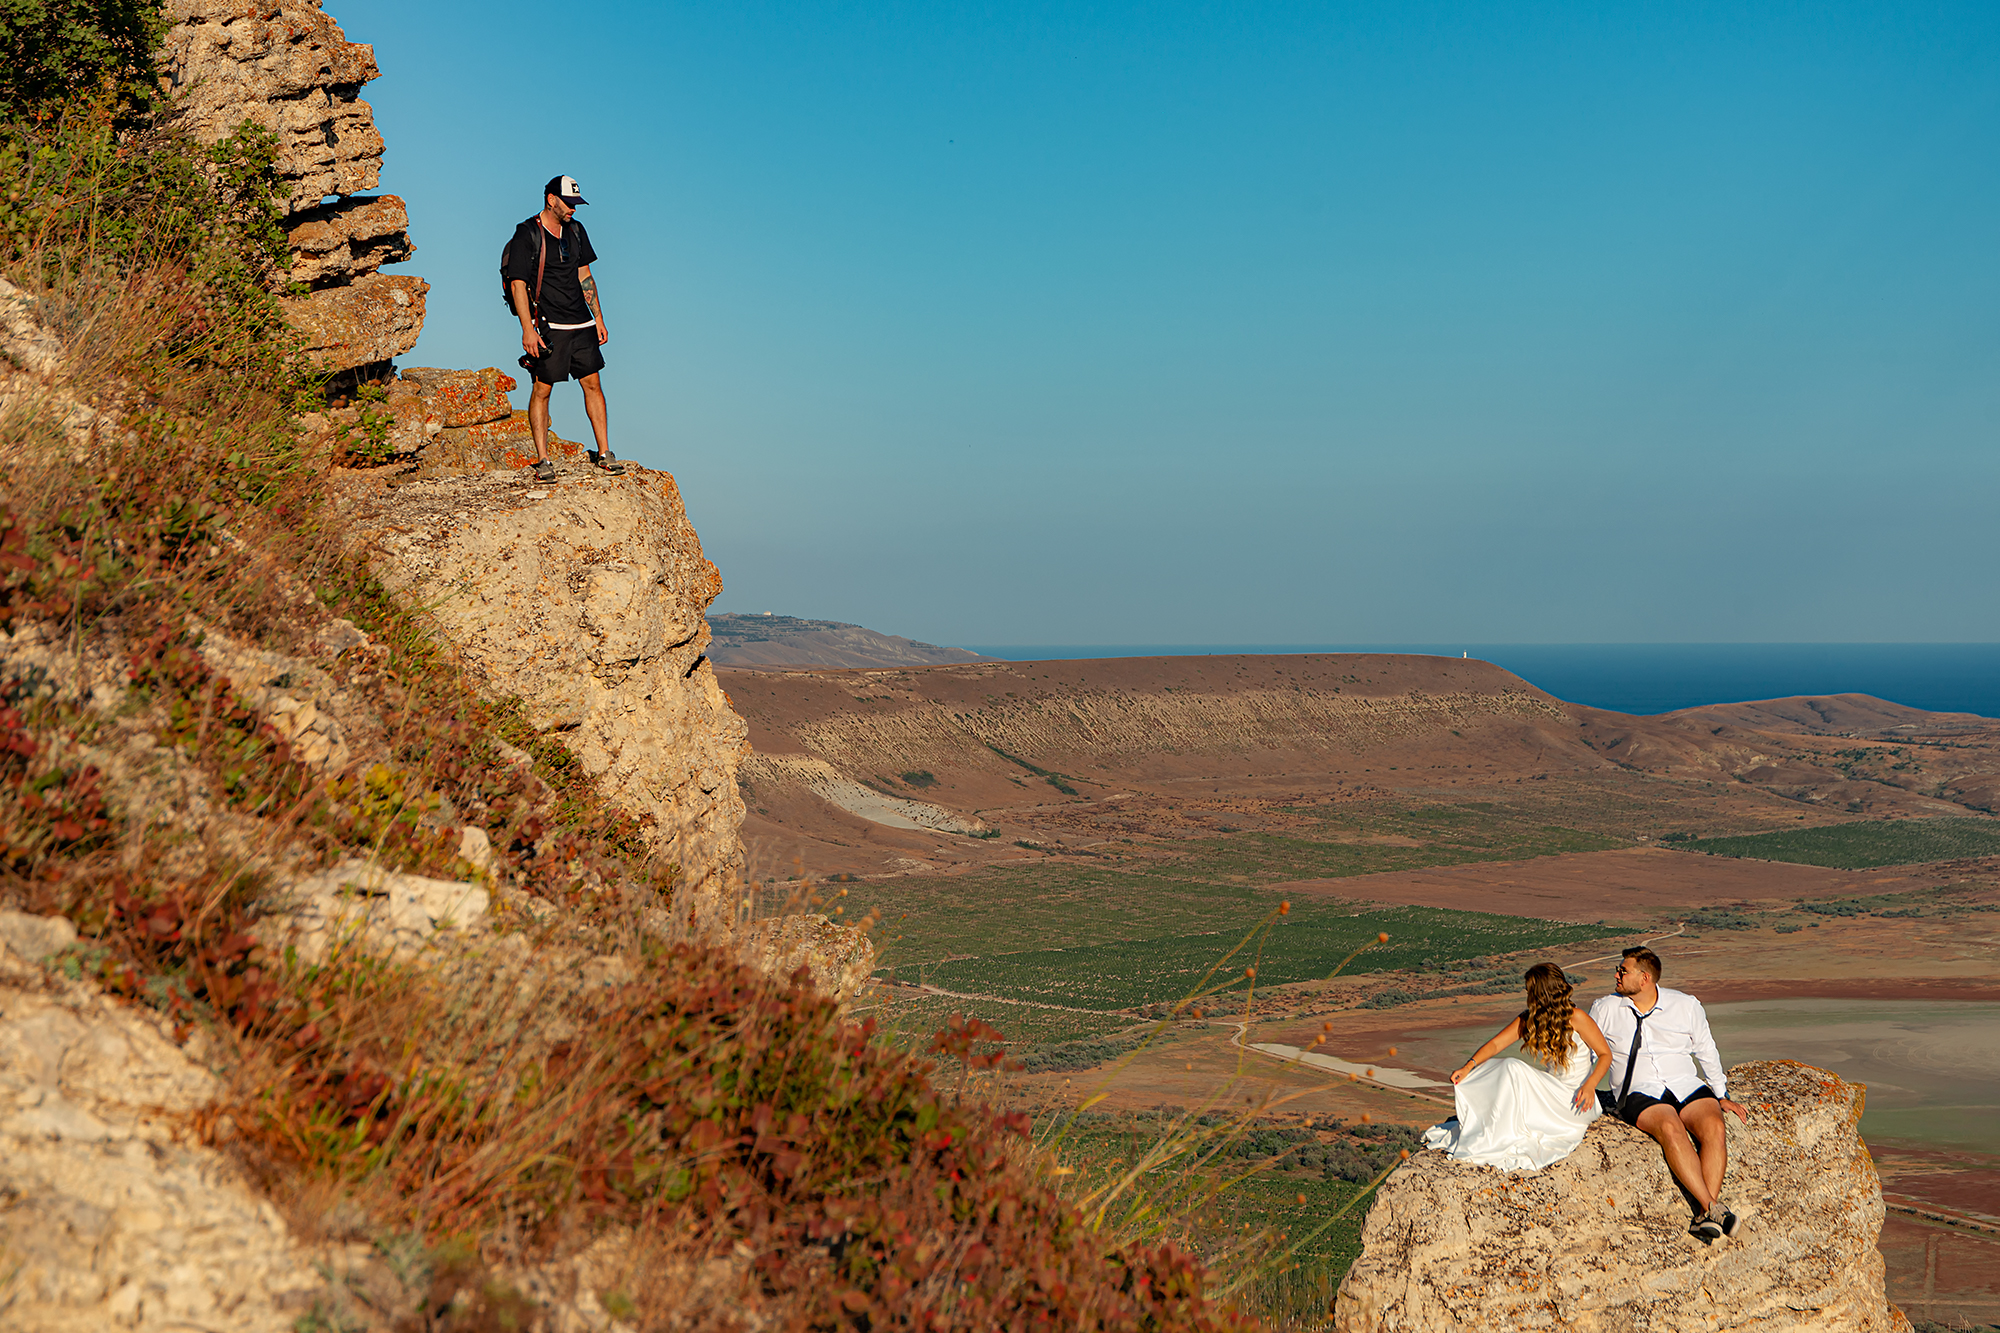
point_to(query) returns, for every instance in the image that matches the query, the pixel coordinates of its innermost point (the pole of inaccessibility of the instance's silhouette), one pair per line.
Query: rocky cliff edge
(1598, 1243)
(585, 598)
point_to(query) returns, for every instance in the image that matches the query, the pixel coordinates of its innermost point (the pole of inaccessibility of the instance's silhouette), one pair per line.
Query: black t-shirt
(562, 295)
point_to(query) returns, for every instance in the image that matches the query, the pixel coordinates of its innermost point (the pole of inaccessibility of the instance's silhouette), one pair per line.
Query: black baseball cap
(566, 189)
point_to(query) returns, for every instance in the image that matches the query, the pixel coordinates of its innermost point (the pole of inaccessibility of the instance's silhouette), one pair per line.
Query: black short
(1639, 1101)
(569, 352)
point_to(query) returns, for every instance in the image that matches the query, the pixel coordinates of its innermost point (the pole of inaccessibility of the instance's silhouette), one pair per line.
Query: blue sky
(1204, 323)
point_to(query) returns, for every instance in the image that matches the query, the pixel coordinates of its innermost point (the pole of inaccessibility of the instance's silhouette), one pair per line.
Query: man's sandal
(607, 464)
(545, 470)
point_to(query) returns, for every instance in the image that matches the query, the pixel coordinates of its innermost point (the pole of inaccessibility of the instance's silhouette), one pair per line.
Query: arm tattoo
(590, 295)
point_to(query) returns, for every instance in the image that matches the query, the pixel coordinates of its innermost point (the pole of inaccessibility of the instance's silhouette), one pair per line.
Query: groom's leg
(1703, 1120)
(1664, 1124)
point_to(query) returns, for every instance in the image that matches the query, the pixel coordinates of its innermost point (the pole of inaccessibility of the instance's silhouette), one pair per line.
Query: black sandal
(610, 465)
(545, 470)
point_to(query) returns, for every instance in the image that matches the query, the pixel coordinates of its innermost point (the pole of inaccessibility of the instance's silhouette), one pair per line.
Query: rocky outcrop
(375, 320)
(115, 1217)
(1598, 1243)
(339, 242)
(585, 599)
(381, 911)
(839, 958)
(288, 67)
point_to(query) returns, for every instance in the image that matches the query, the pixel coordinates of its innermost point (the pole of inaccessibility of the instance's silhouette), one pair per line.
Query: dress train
(1517, 1116)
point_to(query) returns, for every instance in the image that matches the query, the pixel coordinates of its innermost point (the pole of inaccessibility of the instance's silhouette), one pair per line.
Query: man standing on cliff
(1656, 1038)
(562, 323)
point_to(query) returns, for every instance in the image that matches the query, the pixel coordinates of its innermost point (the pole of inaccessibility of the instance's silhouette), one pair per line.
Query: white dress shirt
(1676, 1036)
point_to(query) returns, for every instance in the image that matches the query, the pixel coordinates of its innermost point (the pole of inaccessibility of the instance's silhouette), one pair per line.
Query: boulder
(34, 938)
(361, 905)
(1598, 1243)
(503, 444)
(286, 65)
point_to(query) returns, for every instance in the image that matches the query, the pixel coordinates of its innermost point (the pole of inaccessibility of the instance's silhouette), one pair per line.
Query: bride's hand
(1460, 1072)
(1583, 1099)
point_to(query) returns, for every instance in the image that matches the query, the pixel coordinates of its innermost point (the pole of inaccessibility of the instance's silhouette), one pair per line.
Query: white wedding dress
(1517, 1116)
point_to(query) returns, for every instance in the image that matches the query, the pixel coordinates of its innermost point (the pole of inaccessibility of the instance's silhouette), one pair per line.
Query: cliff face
(1598, 1243)
(288, 67)
(586, 600)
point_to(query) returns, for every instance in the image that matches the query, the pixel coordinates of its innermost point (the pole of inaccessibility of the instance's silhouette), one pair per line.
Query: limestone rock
(840, 958)
(31, 362)
(35, 937)
(286, 66)
(112, 1219)
(348, 239)
(289, 68)
(376, 318)
(584, 598)
(359, 904)
(464, 397)
(1598, 1243)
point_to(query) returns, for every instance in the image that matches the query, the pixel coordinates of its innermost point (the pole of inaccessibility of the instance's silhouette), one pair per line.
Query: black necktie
(1632, 1058)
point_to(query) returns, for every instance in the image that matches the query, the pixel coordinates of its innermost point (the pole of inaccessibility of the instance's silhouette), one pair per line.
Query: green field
(1201, 886)
(1865, 845)
(1304, 946)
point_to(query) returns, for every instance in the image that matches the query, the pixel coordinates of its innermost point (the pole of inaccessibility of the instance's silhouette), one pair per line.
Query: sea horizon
(1651, 678)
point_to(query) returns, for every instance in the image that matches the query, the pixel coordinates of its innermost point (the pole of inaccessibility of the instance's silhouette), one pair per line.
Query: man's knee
(1661, 1122)
(1703, 1119)
(592, 386)
(539, 392)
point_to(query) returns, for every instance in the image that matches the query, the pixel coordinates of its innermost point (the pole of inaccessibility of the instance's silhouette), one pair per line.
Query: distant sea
(1661, 677)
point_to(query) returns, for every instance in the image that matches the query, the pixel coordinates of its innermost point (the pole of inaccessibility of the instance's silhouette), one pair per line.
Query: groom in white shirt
(1656, 1038)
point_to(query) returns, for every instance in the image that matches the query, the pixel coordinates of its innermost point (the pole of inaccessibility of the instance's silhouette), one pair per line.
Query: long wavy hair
(1545, 1027)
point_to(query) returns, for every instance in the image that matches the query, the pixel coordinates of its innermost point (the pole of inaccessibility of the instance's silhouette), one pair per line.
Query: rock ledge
(1598, 1243)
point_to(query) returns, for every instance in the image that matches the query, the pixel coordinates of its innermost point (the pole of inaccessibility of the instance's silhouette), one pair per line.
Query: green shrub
(51, 50)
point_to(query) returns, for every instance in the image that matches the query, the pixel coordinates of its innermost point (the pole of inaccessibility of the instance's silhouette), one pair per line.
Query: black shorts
(1639, 1101)
(569, 352)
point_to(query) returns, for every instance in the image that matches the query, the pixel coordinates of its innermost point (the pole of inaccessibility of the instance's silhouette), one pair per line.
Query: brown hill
(1064, 753)
(1831, 715)
(766, 641)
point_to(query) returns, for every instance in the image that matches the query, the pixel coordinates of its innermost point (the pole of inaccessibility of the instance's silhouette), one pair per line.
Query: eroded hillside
(1078, 752)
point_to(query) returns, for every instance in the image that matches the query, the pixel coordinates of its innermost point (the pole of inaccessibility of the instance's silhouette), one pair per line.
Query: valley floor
(1848, 914)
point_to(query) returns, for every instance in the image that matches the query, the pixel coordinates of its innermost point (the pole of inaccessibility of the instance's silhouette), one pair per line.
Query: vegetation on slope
(689, 1107)
(1862, 846)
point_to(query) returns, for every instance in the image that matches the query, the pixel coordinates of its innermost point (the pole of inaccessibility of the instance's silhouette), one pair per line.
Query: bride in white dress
(1520, 1116)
